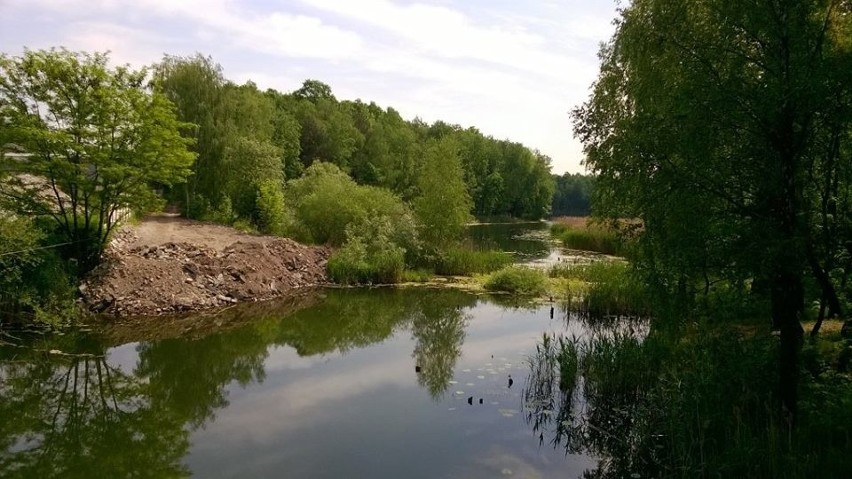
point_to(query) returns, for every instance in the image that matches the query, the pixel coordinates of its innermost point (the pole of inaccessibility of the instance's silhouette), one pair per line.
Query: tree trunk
(828, 291)
(787, 304)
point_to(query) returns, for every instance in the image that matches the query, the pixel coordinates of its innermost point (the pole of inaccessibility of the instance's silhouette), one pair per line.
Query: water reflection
(276, 395)
(67, 416)
(586, 394)
(526, 241)
(438, 329)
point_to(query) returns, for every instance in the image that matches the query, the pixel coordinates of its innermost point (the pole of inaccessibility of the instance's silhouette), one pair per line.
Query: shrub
(34, 282)
(271, 215)
(368, 256)
(325, 201)
(518, 280)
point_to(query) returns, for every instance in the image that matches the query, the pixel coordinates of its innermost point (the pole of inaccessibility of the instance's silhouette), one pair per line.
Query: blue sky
(512, 69)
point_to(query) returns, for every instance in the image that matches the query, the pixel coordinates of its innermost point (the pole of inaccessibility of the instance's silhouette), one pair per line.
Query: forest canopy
(245, 135)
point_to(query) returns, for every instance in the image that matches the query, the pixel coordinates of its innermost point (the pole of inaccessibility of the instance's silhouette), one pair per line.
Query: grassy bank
(579, 233)
(699, 403)
(602, 288)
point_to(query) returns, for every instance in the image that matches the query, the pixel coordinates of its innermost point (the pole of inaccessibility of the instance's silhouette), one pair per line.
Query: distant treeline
(573, 195)
(244, 135)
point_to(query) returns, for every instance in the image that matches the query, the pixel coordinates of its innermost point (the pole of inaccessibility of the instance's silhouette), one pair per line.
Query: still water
(372, 383)
(332, 390)
(526, 241)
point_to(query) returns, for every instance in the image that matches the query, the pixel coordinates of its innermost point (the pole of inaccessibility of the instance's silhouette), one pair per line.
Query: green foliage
(573, 195)
(605, 288)
(416, 276)
(195, 85)
(222, 212)
(465, 261)
(556, 229)
(724, 127)
(249, 163)
(719, 417)
(325, 201)
(443, 204)
(375, 146)
(517, 280)
(369, 255)
(328, 131)
(590, 238)
(97, 141)
(271, 213)
(18, 239)
(35, 284)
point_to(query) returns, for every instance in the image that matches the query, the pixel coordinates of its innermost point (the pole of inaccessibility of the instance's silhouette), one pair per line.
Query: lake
(378, 383)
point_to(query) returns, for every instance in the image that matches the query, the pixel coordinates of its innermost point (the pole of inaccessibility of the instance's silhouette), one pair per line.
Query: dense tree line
(572, 195)
(244, 135)
(725, 128)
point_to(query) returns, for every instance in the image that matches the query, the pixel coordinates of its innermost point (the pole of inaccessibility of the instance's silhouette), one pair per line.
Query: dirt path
(167, 264)
(162, 228)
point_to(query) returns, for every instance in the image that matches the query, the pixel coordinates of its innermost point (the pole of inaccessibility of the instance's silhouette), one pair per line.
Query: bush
(368, 256)
(271, 215)
(34, 283)
(517, 280)
(325, 201)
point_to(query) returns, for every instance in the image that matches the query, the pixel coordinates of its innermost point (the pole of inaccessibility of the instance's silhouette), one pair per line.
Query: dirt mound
(182, 276)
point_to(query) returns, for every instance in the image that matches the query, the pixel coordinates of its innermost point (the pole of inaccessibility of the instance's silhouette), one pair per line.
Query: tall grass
(517, 280)
(603, 288)
(698, 404)
(590, 238)
(466, 261)
(355, 263)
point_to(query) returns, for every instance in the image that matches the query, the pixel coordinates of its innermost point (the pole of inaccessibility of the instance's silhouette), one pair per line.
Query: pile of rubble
(178, 277)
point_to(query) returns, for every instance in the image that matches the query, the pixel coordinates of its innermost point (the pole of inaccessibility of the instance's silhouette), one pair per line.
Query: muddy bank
(197, 325)
(174, 277)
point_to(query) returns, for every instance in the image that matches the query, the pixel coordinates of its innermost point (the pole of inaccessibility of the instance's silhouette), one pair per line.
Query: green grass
(556, 229)
(417, 276)
(592, 239)
(352, 264)
(467, 261)
(517, 280)
(603, 288)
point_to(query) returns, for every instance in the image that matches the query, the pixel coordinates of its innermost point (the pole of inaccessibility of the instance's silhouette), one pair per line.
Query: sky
(512, 69)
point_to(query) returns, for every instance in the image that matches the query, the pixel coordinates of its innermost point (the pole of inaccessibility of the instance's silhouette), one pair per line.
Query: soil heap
(136, 280)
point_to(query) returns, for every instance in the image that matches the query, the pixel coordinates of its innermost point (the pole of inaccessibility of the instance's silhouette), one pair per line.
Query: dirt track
(165, 228)
(167, 264)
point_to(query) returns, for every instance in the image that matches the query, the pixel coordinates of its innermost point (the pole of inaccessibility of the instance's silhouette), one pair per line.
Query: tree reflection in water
(78, 415)
(438, 328)
(67, 416)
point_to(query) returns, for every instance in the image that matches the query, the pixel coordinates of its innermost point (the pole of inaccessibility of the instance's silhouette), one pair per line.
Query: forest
(394, 194)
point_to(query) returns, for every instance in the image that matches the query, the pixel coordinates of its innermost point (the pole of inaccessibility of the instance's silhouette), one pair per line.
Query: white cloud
(445, 33)
(512, 71)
